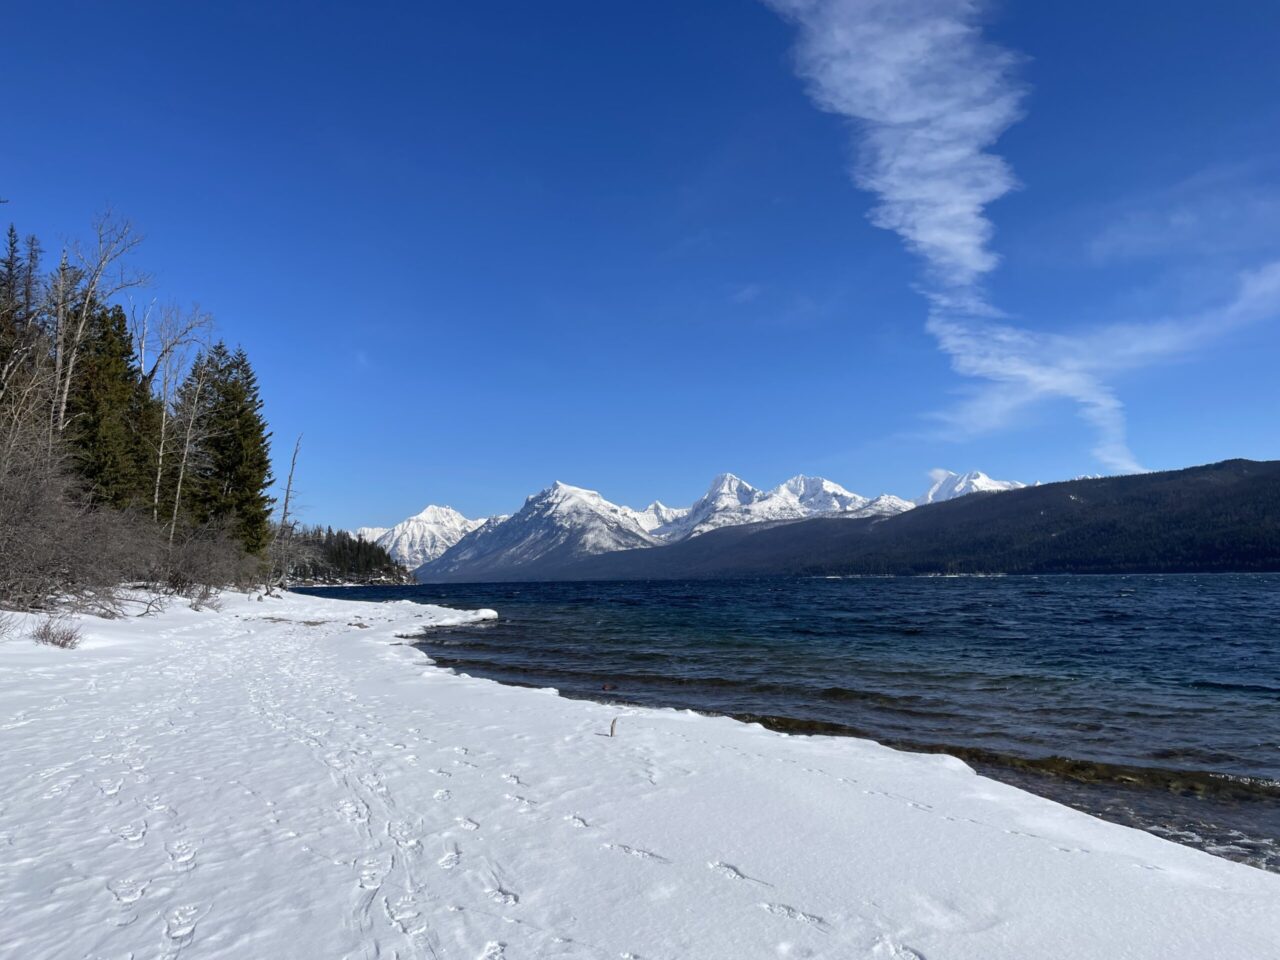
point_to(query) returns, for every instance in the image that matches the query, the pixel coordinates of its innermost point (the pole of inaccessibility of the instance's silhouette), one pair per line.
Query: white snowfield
(272, 781)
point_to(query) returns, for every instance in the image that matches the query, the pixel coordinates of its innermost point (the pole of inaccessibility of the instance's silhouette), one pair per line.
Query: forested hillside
(133, 445)
(325, 555)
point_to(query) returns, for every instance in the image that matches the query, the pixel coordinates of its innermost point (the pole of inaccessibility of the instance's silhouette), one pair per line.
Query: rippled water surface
(1150, 700)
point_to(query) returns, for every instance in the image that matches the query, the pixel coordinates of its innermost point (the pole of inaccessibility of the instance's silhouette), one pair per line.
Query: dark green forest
(133, 445)
(325, 555)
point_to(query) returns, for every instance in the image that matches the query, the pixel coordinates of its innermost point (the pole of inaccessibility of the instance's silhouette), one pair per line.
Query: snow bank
(285, 778)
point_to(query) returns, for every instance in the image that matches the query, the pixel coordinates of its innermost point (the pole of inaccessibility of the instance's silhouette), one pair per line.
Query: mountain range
(563, 523)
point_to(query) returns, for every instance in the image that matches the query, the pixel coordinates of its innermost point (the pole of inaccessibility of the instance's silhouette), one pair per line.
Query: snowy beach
(291, 778)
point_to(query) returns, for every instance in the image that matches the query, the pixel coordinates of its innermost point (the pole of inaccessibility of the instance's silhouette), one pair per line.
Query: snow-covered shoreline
(285, 778)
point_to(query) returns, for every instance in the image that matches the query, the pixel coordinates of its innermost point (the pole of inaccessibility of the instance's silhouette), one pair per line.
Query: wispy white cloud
(928, 97)
(1223, 211)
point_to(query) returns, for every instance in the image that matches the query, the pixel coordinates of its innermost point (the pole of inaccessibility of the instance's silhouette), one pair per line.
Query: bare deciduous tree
(166, 338)
(281, 547)
(86, 278)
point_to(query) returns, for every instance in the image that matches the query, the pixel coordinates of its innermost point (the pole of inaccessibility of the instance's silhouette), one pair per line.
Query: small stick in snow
(613, 727)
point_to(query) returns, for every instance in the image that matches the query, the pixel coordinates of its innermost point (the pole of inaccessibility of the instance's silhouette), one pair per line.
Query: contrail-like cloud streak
(928, 97)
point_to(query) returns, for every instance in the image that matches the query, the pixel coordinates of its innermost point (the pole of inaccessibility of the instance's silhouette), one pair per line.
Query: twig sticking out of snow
(613, 727)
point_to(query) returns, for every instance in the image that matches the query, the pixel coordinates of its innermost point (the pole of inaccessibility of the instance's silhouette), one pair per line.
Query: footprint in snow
(575, 821)
(441, 795)
(180, 923)
(371, 872)
(893, 950)
(504, 897)
(182, 853)
(466, 823)
(493, 950)
(132, 833)
(791, 913)
(730, 872)
(355, 811)
(636, 852)
(128, 890)
(450, 859)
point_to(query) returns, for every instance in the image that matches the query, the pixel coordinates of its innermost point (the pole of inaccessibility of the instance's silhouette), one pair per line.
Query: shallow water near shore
(1153, 701)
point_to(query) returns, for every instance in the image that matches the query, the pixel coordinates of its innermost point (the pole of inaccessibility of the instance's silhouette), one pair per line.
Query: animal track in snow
(466, 823)
(493, 950)
(450, 859)
(504, 897)
(441, 795)
(575, 821)
(791, 913)
(512, 779)
(636, 852)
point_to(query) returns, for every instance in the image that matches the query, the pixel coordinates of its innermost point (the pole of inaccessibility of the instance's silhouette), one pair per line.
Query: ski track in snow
(242, 786)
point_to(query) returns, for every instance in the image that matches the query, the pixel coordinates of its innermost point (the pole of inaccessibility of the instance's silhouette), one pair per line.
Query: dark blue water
(1149, 700)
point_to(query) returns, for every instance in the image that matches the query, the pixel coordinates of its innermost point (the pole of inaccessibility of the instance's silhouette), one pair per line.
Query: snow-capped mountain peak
(819, 495)
(658, 514)
(558, 524)
(948, 485)
(425, 535)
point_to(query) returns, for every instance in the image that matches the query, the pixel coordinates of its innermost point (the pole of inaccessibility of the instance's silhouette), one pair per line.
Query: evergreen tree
(29, 294)
(233, 469)
(11, 278)
(110, 413)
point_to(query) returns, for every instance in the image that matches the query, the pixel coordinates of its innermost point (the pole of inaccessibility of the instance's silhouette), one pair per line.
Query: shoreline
(274, 779)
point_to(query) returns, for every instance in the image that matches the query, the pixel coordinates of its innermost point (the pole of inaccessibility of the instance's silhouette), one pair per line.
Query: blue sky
(475, 248)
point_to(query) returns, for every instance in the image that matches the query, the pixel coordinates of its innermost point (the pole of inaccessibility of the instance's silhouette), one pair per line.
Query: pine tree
(11, 278)
(233, 470)
(109, 413)
(29, 294)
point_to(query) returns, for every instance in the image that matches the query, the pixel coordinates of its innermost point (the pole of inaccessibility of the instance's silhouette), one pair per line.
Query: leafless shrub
(208, 557)
(57, 631)
(7, 622)
(205, 597)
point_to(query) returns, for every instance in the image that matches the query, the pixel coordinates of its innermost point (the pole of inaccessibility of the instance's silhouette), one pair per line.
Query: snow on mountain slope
(731, 501)
(817, 495)
(371, 534)
(948, 485)
(426, 535)
(558, 524)
(658, 514)
(885, 505)
(564, 523)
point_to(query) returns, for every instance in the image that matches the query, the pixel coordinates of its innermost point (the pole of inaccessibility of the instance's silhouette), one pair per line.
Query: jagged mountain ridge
(559, 524)
(565, 523)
